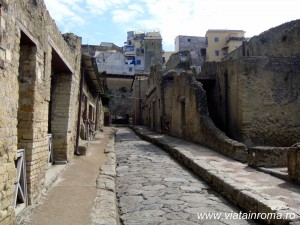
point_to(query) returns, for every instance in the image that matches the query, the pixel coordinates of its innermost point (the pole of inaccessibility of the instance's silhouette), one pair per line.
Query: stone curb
(105, 210)
(244, 197)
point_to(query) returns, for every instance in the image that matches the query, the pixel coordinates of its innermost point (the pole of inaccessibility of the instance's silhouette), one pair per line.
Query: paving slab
(153, 188)
(252, 190)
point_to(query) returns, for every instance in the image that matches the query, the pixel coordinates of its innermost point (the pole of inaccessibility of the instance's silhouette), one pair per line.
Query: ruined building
(40, 72)
(90, 109)
(246, 106)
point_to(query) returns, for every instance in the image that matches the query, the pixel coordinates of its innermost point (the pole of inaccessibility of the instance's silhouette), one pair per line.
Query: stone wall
(191, 121)
(157, 108)
(279, 41)
(92, 109)
(177, 104)
(154, 99)
(268, 156)
(256, 100)
(167, 105)
(179, 61)
(120, 103)
(139, 95)
(256, 95)
(32, 52)
(294, 164)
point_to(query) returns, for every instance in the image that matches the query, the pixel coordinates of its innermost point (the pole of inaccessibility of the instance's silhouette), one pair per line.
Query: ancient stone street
(152, 188)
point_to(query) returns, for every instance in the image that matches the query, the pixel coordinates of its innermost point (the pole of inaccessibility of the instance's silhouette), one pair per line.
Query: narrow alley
(153, 188)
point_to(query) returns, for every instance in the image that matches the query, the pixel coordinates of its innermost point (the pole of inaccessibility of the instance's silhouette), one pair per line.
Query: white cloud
(123, 16)
(128, 15)
(172, 18)
(136, 7)
(63, 14)
(179, 17)
(99, 7)
(195, 17)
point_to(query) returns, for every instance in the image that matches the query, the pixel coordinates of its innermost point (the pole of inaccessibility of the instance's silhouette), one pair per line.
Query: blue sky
(99, 21)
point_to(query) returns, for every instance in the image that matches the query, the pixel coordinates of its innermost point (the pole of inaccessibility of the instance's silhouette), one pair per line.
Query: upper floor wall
(221, 42)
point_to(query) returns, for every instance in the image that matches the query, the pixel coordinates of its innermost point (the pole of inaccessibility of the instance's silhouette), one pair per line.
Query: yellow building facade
(222, 42)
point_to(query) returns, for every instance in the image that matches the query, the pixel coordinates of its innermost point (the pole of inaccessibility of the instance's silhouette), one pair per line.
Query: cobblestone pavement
(152, 188)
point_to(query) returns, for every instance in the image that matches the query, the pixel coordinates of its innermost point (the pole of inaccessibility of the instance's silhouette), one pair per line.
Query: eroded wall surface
(256, 96)
(191, 121)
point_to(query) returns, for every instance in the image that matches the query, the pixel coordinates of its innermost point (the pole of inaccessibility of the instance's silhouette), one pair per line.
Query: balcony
(235, 39)
(129, 50)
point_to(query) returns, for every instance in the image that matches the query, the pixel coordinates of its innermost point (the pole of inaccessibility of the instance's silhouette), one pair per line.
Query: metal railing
(20, 197)
(90, 130)
(50, 149)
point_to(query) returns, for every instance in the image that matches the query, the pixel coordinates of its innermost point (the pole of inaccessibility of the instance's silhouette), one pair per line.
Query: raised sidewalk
(82, 192)
(252, 190)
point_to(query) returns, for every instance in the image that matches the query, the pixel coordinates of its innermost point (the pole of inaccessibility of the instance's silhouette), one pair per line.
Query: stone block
(247, 200)
(268, 156)
(294, 164)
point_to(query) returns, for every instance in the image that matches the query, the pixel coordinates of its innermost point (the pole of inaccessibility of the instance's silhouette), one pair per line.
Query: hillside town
(123, 135)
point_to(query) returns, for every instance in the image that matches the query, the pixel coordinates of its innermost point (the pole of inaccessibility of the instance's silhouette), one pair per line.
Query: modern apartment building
(142, 50)
(222, 42)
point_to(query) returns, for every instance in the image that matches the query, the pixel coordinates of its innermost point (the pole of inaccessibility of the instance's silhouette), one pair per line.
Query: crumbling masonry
(246, 106)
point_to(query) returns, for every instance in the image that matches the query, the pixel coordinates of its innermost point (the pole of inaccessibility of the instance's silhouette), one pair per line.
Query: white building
(141, 51)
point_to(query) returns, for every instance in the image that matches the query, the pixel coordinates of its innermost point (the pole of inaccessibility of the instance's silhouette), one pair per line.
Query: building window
(189, 40)
(129, 48)
(130, 69)
(138, 62)
(216, 39)
(217, 53)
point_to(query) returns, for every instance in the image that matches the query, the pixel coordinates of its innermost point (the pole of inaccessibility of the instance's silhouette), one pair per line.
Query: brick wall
(32, 52)
(9, 92)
